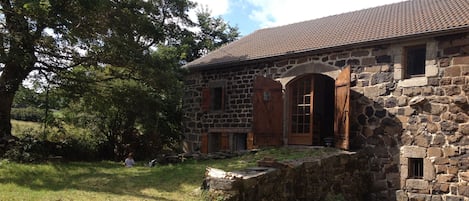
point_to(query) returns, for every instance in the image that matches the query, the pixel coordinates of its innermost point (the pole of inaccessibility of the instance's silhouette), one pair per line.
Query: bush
(27, 114)
(70, 143)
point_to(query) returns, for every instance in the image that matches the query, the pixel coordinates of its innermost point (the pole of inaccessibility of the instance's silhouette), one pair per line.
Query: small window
(415, 168)
(217, 98)
(415, 61)
(213, 97)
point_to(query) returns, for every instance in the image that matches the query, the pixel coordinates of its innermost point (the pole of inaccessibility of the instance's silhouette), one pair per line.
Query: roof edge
(209, 66)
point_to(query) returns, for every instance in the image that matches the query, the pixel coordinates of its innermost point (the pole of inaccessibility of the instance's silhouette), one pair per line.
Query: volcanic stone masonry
(395, 120)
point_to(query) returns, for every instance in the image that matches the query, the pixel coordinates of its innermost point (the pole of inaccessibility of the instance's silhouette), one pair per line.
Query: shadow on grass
(175, 182)
(106, 177)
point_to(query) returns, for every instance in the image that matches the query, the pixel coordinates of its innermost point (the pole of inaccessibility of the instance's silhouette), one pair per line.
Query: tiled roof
(408, 18)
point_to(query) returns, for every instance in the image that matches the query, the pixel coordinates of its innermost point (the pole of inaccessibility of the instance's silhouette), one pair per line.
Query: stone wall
(391, 114)
(342, 176)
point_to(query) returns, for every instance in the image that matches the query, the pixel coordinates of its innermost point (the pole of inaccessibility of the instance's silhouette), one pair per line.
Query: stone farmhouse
(391, 81)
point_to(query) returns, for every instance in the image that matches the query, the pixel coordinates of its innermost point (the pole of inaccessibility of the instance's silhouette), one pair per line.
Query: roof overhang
(299, 53)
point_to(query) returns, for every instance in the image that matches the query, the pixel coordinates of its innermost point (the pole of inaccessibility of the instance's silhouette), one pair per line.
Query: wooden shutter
(204, 143)
(342, 109)
(225, 142)
(267, 101)
(206, 99)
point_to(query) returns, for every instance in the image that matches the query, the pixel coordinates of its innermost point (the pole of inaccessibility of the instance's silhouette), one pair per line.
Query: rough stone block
(379, 185)
(464, 129)
(454, 198)
(454, 71)
(463, 190)
(465, 70)
(381, 77)
(401, 101)
(440, 187)
(422, 140)
(446, 81)
(360, 53)
(443, 178)
(452, 90)
(369, 61)
(450, 151)
(428, 170)
(436, 198)
(374, 91)
(434, 152)
(441, 161)
(432, 70)
(453, 170)
(461, 60)
(459, 80)
(459, 99)
(464, 176)
(444, 62)
(373, 69)
(413, 152)
(441, 169)
(401, 196)
(417, 184)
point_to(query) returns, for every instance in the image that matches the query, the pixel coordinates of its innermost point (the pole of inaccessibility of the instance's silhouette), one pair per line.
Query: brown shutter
(223, 96)
(267, 100)
(342, 108)
(204, 143)
(225, 142)
(205, 104)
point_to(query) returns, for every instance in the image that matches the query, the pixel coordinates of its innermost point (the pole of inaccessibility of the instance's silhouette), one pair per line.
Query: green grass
(20, 128)
(111, 181)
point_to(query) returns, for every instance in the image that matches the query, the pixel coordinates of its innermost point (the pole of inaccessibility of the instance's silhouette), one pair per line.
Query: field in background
(22, 127)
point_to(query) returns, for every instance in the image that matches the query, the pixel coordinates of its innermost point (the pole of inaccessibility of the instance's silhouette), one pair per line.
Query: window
(217, 98)
(415, 168)
(213, 97)
(415, 61)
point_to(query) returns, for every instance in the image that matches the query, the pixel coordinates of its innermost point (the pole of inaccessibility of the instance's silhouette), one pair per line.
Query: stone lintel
(413, 152)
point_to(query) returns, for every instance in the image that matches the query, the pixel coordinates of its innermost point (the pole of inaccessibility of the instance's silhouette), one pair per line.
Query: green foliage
(52, 36)
(37, 144)
(213, 33)
(133, 112)
(27, 114)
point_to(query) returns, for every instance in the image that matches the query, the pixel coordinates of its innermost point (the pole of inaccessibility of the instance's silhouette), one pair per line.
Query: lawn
(110, 181)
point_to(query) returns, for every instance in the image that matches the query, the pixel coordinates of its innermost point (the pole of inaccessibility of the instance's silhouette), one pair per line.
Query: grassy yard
(111, 181)
(21, 127)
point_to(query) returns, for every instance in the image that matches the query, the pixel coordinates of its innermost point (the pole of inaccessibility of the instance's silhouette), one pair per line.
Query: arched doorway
(310, 106)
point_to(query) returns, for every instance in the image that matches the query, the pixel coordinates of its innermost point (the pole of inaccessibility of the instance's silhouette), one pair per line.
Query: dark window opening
(416, 168)
(214, 142)
(217, 98)
(239, 142)
(415, 60)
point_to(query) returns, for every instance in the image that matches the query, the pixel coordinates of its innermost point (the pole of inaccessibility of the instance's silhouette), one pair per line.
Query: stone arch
(309, 68)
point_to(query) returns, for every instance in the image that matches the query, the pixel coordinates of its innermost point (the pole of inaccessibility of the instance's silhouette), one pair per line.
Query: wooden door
(342, 109)
(267, 112)
(301, 108)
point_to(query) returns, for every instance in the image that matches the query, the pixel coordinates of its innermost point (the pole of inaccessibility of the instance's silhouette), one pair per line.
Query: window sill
(413, 82)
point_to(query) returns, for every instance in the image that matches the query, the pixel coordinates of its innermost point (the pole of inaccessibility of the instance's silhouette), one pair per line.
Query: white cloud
(217, 7)
(280, 12)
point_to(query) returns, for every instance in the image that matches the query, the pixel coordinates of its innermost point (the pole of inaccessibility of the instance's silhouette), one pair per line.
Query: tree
(58, 35)
(213, 33)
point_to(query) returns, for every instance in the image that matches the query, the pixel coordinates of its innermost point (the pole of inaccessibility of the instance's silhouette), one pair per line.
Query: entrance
(311, 109)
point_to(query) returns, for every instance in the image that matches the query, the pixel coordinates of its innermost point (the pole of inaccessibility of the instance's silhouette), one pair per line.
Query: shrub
(27, 114)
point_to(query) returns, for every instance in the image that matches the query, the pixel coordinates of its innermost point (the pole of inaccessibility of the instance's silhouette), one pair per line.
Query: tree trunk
(10, 80)
(6, 99)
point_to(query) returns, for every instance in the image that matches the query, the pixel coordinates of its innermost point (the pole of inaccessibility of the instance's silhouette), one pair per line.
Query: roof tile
(384, 22)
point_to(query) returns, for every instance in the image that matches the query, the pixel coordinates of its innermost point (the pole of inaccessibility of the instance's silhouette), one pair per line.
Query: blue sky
(251, 15)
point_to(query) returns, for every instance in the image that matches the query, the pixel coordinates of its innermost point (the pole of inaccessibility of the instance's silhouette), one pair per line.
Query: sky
(251, 15)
